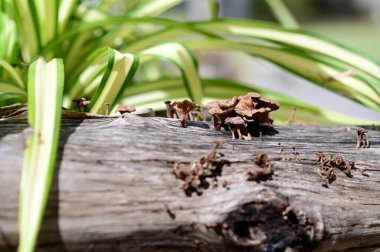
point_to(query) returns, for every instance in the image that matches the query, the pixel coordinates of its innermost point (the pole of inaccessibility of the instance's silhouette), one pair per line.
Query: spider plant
(52, 51)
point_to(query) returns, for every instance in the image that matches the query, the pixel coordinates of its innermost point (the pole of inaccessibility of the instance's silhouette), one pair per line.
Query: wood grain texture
(114, 178)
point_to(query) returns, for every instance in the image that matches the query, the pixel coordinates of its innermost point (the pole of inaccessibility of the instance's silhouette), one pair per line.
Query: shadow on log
(115, 190)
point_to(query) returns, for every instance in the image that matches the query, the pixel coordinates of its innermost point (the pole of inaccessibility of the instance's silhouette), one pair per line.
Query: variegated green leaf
(306, 66)
(45, 88)
(181, 57)
(119, 72)
(282, 13)
(295, 39)
(152, 8)
(14, 75)
(28, 27)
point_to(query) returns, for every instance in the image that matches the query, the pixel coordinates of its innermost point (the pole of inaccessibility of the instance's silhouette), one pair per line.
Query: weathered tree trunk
(114, 189)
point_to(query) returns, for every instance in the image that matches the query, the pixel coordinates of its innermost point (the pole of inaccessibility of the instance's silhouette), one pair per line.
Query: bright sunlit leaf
(120, 70)
(45, 88)
(181, 57)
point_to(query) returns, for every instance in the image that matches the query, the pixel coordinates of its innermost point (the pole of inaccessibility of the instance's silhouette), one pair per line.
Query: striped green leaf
(294, 39)
(152, 8)
(45, 88)
(214, 8)
(87, 76)
(65, 11)
(354, 87)
(282, 13)
(119, 72)
(26, 21)
(181, 57)
(9, 36)
(6, 87)
(13, 74)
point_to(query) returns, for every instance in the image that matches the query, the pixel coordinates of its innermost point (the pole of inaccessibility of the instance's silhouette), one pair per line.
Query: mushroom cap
(125, 109)
(85, 103)
(265, 102)
(222, 114)
(235, 120)
(226, 104)
(212, 104)
(214, 110)
(79, 99)
(184, 106)
(245, 106)
(262, 115)
(253, 96)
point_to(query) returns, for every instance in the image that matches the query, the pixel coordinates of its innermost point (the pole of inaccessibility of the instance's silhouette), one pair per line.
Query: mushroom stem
(247, 137)
(239, 133)
(358, 138)
(170, 111)
(78, 105)
(79, 102)
(107, 108)
(184, 108)
(232, 129)
(183, 120)
(214, 120)
(85, 104)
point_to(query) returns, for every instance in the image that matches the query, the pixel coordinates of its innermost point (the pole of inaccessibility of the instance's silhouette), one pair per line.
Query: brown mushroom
(267, 103)
(79, 102)
(170, 111)
(220, 114)
(245, 106)
(107, 108)
(253, 96)
(226, 104)
(183, 108)
(362, 137)
(262, 115)
(85, 104)
(125, 109)
(237, 124)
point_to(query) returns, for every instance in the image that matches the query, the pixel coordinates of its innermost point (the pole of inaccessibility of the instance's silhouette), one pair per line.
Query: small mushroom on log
(362, 137)
(170, 111)
(245, 106)
(226, 104)
(237, 124)
(220, 114)
(183, 108)
(262, 115)
(81, 102)
(125, 109)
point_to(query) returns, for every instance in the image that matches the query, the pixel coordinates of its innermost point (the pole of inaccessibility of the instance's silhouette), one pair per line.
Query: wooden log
(114, 189)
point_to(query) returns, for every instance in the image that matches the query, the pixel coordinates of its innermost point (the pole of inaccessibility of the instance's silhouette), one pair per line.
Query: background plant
(113, 58)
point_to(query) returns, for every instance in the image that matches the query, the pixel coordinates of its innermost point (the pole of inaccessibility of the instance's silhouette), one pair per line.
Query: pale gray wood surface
(114, 177)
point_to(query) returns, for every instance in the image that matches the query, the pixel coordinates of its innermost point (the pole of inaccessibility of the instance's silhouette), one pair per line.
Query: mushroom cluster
(195, 174)
(328, 163)
(241, 113)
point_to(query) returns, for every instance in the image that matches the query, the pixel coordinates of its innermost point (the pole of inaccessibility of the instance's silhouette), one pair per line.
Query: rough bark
(114, 190)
